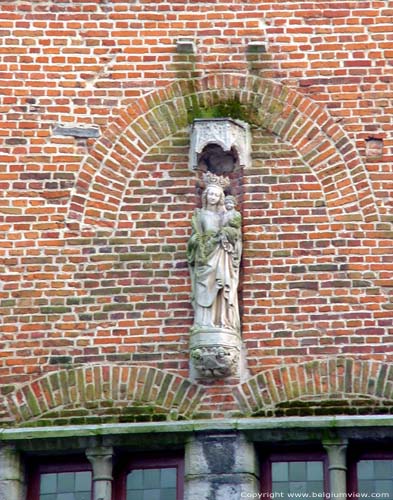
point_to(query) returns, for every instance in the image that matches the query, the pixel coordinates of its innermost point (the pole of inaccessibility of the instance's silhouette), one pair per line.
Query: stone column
(11, 474)
(220, 466)
(337, 458)
(101, 458)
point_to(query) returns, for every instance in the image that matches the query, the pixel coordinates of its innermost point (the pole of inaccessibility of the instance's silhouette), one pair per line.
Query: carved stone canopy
(228, 135)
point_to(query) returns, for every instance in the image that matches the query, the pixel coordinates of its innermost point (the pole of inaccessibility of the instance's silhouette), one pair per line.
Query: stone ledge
(342, 423)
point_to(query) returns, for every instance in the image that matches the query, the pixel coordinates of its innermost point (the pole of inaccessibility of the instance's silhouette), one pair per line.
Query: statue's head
(230, 202)
(214, 196)
(214, 192)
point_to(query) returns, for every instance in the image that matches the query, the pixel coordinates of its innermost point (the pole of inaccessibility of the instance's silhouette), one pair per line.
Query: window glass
(303, 477)
(65, 486)
(375, 477)
(152, 484)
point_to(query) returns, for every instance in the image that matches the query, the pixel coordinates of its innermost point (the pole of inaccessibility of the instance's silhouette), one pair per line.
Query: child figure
(231, 225)
(231, 216)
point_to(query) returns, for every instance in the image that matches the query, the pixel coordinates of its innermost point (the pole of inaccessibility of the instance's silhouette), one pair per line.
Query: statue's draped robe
(213, 258)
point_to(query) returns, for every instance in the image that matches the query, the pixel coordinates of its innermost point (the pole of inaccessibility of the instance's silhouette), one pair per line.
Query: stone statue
(214, 252)
(219, 146)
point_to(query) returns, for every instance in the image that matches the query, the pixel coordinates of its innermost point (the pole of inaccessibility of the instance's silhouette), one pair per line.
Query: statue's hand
(195, 239)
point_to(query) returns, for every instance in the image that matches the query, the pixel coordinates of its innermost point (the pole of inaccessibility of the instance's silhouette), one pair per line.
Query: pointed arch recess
(321, 378)
(295, 118)
(115, 383)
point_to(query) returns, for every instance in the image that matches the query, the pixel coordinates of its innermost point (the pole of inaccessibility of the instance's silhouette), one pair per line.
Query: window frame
(355, 455)
(54, 465)
(126, 465)
(272, 456)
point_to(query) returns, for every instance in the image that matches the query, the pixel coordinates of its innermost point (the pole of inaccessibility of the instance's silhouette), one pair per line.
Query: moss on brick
(55, 310)
(118, 307)
(73, 301)
(7, 303)
(7, 389)
(231, 108)
(135, 256)
(58, 360)
(107, 291)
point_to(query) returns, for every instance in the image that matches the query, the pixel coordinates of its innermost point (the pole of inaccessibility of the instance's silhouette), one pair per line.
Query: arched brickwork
(319, 379)
(320, 141)
(113, 384)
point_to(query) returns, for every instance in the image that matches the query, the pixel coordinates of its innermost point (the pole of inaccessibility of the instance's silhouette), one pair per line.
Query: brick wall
(97, 199)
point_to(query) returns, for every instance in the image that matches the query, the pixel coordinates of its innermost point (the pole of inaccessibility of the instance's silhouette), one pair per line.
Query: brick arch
(114, 383)
(321, 142)
(322, 378)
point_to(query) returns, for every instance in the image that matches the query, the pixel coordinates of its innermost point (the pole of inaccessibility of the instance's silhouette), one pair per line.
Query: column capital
(101, 458)
(335, 442)
(336, 450)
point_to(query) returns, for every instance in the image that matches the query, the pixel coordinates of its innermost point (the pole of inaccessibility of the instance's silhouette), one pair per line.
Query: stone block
(76, 131)
(220, 454)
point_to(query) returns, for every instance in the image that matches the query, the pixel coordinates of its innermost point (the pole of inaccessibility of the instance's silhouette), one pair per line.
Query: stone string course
(94, 287)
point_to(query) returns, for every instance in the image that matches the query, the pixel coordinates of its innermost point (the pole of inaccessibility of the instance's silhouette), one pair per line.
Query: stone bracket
(215, 353)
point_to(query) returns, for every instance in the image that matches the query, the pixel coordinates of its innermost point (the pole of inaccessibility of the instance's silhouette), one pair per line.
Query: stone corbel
(216, 361)
(215, 353)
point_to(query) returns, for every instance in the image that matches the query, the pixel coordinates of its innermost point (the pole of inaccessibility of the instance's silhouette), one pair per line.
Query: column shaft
(11, 474)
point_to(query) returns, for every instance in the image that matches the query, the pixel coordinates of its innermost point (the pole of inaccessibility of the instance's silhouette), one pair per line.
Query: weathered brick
(94, 225)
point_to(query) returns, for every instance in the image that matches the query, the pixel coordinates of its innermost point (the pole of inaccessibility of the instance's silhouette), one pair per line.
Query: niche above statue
(215, 247)
(214, 159)
(219, 145)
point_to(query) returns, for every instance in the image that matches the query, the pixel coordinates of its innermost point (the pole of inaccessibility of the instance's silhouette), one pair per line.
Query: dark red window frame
(356, 454)
(126, 465)
(39, 466)
(293, 456)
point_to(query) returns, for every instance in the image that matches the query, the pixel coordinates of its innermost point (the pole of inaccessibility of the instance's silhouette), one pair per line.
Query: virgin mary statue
(214, 251)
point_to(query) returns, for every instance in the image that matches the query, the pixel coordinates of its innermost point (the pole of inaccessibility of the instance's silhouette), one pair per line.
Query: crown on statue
(216, 180)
